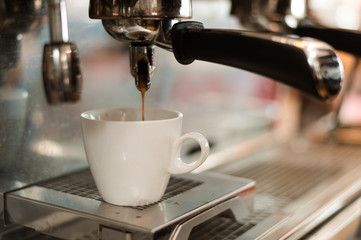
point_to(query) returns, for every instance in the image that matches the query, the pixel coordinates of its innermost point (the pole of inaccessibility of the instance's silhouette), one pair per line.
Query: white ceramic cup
(131, 160)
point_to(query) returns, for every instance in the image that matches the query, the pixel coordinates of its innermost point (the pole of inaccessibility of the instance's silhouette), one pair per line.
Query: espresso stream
(143, 78)
(143, 90)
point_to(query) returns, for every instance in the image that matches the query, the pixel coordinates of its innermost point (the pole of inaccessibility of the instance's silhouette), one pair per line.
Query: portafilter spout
(143, 24)
(142, 65)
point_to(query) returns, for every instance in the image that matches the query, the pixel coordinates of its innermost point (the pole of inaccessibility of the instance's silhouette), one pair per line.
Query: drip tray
(82, 184)
(70, 207)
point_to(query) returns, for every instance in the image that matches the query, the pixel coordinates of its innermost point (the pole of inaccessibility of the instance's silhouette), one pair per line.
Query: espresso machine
(57, 61)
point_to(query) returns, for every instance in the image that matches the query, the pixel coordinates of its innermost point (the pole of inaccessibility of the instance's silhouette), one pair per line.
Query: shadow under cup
(131, 160)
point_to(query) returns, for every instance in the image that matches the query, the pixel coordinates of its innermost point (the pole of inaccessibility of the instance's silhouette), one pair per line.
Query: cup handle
(177, 165)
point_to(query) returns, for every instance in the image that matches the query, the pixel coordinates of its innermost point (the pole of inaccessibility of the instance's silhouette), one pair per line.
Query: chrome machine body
(58, 61)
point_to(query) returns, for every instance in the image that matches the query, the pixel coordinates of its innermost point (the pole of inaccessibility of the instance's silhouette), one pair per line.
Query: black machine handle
(305, 64)
(344, 40)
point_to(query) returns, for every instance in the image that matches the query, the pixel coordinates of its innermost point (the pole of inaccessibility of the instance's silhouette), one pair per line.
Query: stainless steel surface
(7, 184)
(61, 73)
(82, 184)
(23, 233)
(141, 22)
(140, 9)
(184, 229)
(164, 36)
(52, 210)
(299, 186)
(273, 16)
(297, 17)
(325, 64)
(144, 31)
(219, 228)
(345, 225)
(132, 30)
(109, 234)
(58, 21)
(142, 65)
(61, 65)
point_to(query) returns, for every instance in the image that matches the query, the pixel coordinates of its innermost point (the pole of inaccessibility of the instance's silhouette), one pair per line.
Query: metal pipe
(58, 21)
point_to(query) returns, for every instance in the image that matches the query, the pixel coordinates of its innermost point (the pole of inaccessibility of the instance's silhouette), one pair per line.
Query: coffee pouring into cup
(130, 159)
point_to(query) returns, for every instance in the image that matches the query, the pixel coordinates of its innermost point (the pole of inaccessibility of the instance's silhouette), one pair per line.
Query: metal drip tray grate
(79, 184)
(290, 174)
(286, 180)
(82, 184)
